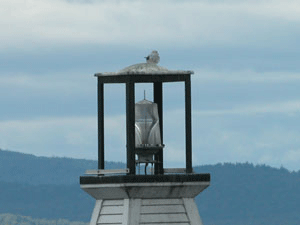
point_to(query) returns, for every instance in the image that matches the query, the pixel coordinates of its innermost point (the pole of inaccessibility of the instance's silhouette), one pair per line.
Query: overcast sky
(245, 90)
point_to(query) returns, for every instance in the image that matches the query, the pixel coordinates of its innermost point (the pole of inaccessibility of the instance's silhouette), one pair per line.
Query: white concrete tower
(160, 196)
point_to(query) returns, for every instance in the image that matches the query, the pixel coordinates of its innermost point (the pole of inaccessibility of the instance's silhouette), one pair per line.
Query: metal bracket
(104, 172)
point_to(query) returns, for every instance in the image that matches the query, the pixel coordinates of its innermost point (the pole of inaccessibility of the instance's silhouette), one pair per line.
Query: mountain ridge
(16, 166)
(12, 219)
(31, 169)
(240, 193)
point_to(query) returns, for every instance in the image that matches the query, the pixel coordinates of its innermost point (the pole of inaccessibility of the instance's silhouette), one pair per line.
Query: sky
(245, 90)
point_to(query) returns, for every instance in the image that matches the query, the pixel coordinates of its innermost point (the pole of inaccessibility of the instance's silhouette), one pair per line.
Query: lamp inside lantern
(147, 132)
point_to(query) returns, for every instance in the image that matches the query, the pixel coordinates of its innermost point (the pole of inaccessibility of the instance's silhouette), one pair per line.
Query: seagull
(153, 57)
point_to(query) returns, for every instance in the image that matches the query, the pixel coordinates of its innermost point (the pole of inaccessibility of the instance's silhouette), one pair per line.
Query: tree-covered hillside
(243, 192)
(33, 170)
(11, 219)
(239, 194)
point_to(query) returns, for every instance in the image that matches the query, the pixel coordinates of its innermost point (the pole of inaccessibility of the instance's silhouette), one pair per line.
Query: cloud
(287, 107)
(239, 138)
(46, 136)
(292, 155)
(66, 82)
(28, 24)
(63, 136)
(233, 138)
(245, 86)
(244, 76)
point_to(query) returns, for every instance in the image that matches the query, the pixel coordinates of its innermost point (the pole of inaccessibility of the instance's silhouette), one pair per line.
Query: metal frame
(157, 80)
(130, 125)
(104, 172)
(100, 125)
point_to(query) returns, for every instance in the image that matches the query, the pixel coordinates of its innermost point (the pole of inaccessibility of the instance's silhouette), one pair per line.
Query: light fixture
(147, 132)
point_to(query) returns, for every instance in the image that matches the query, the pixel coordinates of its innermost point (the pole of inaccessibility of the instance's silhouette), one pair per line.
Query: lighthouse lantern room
(157, 195)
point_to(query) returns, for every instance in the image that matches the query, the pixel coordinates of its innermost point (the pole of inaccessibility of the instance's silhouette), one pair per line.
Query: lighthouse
(153, 195)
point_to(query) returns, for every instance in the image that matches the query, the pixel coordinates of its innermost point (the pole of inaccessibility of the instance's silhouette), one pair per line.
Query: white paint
(192, 212)
(112, 211)
(145, 190)
(134, 212)
(164, 218)
(116, 219)
(126, 212)
(168, 209)
(162, 209)
(96, 212)
(109, 210)
(144, 68)
(113, 202)
(162, 201)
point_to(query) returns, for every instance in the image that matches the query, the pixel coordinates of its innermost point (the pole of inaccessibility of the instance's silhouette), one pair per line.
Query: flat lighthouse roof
(144, 72)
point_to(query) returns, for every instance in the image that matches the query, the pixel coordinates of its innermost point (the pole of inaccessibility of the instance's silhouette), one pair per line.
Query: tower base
(145, 200)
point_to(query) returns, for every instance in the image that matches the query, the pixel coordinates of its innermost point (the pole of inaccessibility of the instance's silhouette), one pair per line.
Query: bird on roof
(153, 57)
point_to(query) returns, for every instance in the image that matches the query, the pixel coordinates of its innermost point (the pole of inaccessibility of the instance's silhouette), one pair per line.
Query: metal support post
(130, 126)
(188, 124)
(100, 125)
(158, 99)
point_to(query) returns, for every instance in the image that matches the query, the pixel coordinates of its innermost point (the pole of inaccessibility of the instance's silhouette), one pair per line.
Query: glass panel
(147, 129)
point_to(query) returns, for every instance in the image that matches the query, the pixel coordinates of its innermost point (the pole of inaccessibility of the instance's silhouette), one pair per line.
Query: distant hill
(47, 201)
(239, 194)
(10, 219)
(34, 170)
(242, 192)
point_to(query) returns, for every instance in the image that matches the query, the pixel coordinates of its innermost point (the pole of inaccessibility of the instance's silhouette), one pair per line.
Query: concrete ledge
(145, 187)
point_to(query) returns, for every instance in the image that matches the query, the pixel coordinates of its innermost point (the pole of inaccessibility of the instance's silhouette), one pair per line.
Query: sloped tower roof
(145, 69)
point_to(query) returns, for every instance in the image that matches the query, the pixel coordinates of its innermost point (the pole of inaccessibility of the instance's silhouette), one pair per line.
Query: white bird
(153, 57)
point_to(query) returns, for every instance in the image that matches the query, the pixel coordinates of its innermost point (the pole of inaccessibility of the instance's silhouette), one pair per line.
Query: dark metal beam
(142, 78)
(130, 126)
(158, 99)
(188, 124)
(100, 125)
